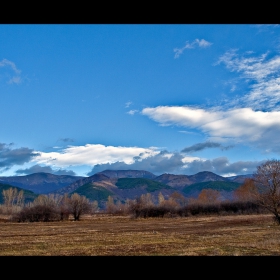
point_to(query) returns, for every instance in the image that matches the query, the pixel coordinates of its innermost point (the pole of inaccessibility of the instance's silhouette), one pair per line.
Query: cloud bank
(99, 157)
(46, 169)
(19, 156)
(92, 154)
(178, 164)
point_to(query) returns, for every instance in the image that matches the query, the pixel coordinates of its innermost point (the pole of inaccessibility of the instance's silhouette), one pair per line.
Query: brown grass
(106, 235)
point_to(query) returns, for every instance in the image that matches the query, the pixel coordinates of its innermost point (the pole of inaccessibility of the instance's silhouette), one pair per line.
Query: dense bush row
(223, 208)
(178, 206)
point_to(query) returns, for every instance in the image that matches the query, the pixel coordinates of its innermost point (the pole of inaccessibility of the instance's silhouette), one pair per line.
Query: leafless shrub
(37, 213)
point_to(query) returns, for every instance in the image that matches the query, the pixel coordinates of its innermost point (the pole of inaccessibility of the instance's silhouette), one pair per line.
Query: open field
(106, 235)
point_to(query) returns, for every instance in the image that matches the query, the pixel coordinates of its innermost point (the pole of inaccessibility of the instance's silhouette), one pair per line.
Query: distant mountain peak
(204, 176)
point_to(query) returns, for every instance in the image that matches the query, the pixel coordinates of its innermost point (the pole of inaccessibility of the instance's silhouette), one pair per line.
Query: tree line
(259, 194)
(46, 207)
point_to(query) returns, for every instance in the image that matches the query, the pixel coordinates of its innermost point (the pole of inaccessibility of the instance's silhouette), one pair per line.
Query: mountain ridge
(40, 182)
(125, 184)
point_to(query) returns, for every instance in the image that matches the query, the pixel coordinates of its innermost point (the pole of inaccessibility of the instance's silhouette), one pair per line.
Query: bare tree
(94, 206)
(9, 196)
(13, 199)
(246, 192)
(161, 199)
(63, 207)
(79, 205)
(168, 203)
(267, 182)
(209, 196)
(110, 205)
(146, 200)
(52, 200)
(179, 198)
(129, 204)
(20, 198)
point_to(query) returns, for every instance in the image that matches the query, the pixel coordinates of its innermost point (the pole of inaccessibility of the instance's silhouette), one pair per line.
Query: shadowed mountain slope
(176, 181)
(29, 196)
(72, 187)
(122, 189)
(40, 182)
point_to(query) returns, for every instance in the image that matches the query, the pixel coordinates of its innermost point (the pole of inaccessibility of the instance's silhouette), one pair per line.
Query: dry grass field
(107, 235)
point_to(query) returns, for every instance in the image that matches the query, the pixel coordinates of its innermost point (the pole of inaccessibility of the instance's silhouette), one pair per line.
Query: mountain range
(40, 183)
(124, 184)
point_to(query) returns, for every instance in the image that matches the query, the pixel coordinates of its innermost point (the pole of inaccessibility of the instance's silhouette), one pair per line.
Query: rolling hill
(148, 185)
(93, 192)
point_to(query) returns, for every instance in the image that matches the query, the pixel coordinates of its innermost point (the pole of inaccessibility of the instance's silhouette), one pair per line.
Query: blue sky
(77, 99)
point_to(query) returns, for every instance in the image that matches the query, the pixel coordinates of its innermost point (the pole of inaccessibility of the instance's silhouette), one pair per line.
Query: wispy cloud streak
(262, 74)
(202, 146)
(15, 79)
(196, 43)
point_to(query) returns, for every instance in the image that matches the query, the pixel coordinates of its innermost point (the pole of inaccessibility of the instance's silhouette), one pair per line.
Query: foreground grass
(106, 235)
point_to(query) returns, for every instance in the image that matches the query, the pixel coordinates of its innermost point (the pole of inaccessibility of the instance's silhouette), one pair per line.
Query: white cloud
(92, 154)
(189, 159)
(132, 112)
(180, 115)
(127, 104)
(14, 79)
(238, 125)
(200, 43)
